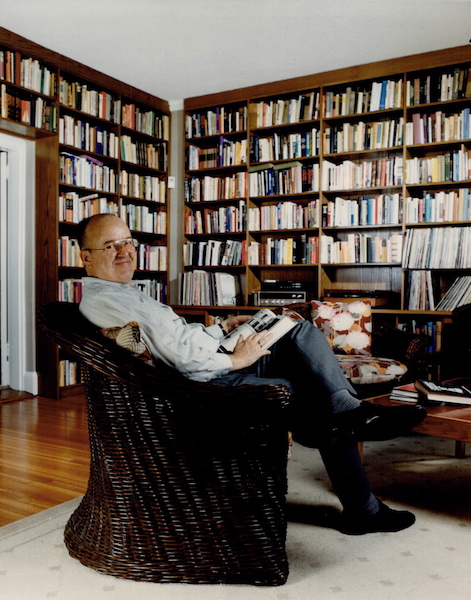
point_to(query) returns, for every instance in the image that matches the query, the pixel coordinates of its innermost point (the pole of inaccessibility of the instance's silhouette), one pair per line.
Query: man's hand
(249, 350)
(234, 322)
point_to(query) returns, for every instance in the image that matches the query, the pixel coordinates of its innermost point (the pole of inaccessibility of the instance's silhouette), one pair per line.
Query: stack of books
(455, 391)
(406, 393)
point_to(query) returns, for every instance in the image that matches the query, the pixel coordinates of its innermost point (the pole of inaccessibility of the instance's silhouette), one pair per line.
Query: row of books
(454, 392)
(145, 121)
(441, 207)
(143, 218)
(70, 290)
(368, 97)
(283, 178)
(26, 72)
(73, 207)
(69, 372)
(83, 135)
(153, 156)
(283, 215)
(69, 252)
(361, 248)
(439, 87)
(384, 209)
(451, 166)
(225, 219)
(144, 187)
(208, 188)
(29, 110)
(93, 102)
(284, 146)
(87, 172)
(356, 137)
(421, 293)
(223, 119)
(458, 294)
(381, 172)
(227, 153)
(431, 328)
(284, 251)
(281, 111)
(214, 253)
(438, 127)
(437, 248)
(151, 258)
(154, 288)
(200, 288)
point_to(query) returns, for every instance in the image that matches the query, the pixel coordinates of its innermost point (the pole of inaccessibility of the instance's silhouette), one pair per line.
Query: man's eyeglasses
(113, 248)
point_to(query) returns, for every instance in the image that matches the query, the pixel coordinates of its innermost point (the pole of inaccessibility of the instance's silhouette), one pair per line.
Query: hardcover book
(457, 391)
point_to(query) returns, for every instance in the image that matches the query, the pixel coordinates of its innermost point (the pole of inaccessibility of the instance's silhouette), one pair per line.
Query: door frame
(19, 267)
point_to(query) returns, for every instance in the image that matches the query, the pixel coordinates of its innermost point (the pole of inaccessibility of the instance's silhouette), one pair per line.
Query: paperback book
(263, 320)
(457, 391)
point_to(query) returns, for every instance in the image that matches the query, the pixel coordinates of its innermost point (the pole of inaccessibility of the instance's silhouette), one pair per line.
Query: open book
(455, 391)
(263, 320)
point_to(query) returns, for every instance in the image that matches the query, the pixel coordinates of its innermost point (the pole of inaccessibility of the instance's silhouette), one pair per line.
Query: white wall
(20, 279)
(175, 233)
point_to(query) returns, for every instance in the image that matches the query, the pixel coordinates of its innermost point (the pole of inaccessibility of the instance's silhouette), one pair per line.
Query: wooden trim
(47, 232)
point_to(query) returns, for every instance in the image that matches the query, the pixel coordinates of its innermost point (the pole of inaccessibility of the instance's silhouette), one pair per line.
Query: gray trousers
(304, 362)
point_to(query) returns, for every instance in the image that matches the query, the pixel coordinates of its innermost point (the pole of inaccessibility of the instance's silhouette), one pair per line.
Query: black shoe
(386, 519)
(373, 422)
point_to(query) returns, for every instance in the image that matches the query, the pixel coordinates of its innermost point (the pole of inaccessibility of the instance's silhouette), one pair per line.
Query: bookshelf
(343, 172)
(102, 146)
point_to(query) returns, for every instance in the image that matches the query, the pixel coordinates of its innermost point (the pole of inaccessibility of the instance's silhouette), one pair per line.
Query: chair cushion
(347, 326)
(129, 337)
(370, 369)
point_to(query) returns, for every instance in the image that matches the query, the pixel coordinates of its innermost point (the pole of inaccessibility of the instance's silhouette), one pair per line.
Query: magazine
(263, 320)
(455, 391)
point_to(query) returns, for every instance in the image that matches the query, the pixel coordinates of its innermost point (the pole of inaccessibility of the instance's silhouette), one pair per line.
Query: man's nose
(121, 249)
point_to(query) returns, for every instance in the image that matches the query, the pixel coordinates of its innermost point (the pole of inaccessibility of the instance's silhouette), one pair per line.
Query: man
(324, 403)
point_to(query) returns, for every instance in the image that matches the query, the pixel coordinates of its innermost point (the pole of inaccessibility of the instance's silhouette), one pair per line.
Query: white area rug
(430, 561)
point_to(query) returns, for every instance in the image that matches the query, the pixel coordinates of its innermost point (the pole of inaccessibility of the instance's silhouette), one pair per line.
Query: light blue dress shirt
(191, 348)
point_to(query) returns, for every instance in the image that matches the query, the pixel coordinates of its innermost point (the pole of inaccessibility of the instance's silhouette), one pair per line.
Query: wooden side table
(447, 421)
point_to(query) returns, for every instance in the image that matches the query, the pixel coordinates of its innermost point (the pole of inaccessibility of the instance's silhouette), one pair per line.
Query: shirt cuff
(216, 331)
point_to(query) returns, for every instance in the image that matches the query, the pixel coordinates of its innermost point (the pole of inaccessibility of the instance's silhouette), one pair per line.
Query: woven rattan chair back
(187, 481)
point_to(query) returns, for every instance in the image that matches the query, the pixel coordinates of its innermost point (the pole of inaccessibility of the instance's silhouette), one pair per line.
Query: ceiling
(176, 49)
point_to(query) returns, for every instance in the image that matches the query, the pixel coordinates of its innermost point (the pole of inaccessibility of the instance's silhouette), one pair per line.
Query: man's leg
(324, 399)
(363, 512)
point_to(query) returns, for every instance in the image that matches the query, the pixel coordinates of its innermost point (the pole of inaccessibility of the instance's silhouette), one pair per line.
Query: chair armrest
(70, 330)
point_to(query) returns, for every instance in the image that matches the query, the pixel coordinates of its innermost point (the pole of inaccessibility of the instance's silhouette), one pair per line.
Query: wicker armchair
(187, 481)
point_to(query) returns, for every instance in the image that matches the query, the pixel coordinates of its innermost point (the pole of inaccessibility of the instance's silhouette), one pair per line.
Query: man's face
(117, 264)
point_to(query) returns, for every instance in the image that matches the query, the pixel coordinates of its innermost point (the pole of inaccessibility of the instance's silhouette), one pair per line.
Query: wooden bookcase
(95, 137)
(354, 154)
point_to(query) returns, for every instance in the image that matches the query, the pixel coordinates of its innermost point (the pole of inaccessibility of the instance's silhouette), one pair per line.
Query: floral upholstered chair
(373, 361)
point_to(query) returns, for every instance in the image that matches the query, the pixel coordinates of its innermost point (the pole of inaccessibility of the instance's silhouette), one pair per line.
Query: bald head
(101, 255)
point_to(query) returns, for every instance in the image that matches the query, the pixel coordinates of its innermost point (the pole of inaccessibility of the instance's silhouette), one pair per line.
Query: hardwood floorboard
(44, 454)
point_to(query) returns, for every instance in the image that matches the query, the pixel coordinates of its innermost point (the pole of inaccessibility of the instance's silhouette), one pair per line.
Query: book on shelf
(405, 393)
(458, 294)
(263, 320)
(455, 391)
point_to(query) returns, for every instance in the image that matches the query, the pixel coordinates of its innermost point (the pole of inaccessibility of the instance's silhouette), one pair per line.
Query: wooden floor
(44, 454)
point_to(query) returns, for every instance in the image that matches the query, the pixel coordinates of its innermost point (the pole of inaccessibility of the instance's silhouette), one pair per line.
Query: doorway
(17, 264)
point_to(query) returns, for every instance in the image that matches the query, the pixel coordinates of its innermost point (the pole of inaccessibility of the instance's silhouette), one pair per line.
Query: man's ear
(86, 258)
